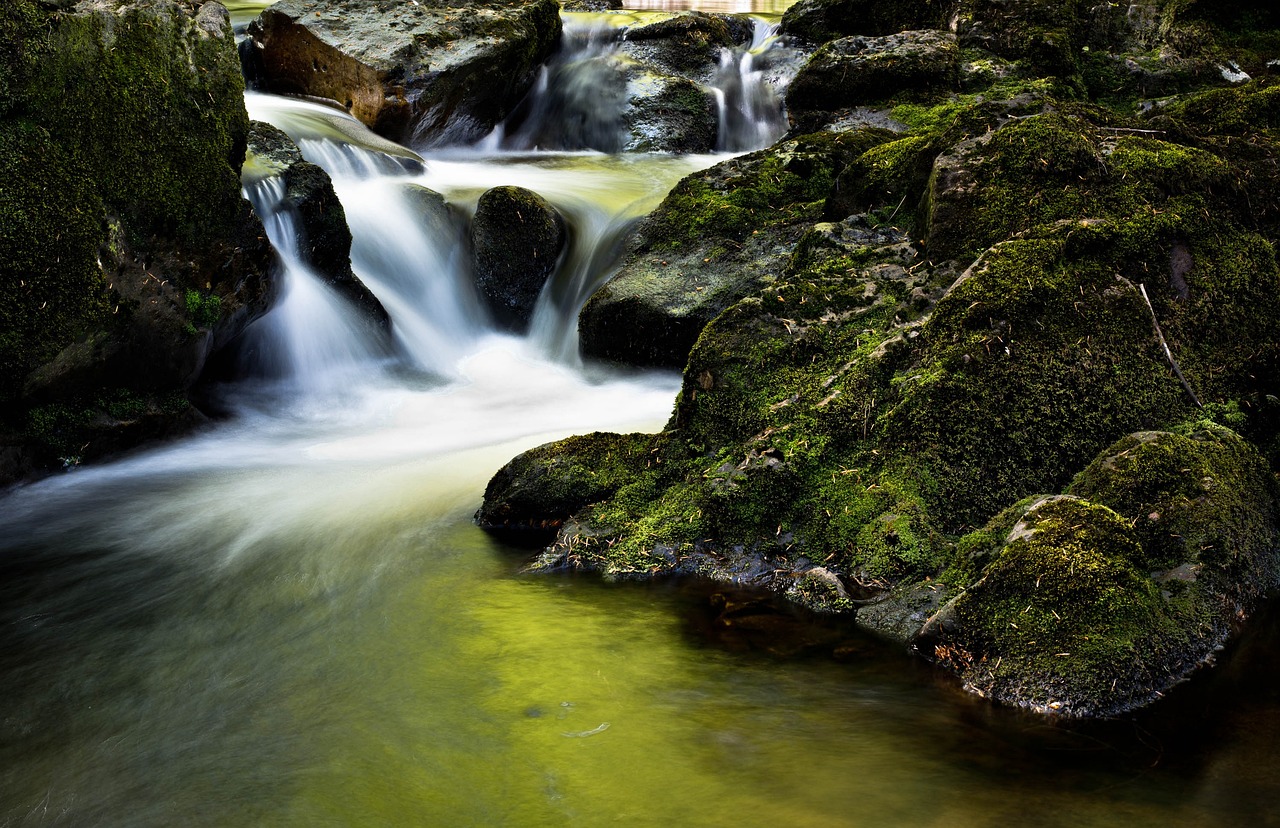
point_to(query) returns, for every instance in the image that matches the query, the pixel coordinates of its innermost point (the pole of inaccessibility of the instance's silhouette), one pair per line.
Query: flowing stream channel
(290, 619)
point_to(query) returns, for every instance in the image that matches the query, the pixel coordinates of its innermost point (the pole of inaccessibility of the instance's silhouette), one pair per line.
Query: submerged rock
(517, 238)
(323, 235)
(410, 71)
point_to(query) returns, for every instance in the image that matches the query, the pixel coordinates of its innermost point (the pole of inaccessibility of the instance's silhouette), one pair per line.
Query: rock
(1079, 609)
(668, 114)
(818, 21)
(410, 71)
(126, 259)
(1044, 35)
(900, 614)
(535, 493)
(717, 237)
(517, 237)
(324, 239)
(687, 45)
(856, 71)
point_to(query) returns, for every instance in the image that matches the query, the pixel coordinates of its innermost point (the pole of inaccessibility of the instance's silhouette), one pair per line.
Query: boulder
(667, 114)
(854, 71)
(517, 237)
(686, 45)
(1099, 601)
(818, 21)
(128, 258)
(323, 237)
(717, 237)
(426, 73)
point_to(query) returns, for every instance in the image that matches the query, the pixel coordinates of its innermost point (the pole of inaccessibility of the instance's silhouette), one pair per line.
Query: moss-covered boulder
(516, 239)
(426, 73)
(821, 20)
(530, 497)
(856, 71)
(322, 235)
(1095, 603)
(126, 251)
(717, 237)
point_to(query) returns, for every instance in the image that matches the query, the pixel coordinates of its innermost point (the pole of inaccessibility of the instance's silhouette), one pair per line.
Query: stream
(290, 618)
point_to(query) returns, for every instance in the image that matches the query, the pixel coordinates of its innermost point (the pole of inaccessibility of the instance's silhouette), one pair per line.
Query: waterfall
(312, 340)
(750, 110)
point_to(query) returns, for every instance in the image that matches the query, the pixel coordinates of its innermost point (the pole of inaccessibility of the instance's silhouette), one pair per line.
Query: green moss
(204, 309)
(782, 185)
(1061, 618)
(52, 291)
(1199, 498)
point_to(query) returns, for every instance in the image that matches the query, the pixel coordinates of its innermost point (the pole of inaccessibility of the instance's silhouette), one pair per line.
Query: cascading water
(312, 340)
(747, 99)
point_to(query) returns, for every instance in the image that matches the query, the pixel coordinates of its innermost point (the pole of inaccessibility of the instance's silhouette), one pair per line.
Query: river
(290, 618)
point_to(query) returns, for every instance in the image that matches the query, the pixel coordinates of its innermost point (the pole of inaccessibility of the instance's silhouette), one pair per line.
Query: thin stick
(1142, 289)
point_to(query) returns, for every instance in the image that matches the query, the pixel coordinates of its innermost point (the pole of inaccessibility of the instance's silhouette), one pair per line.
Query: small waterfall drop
(311, 340)
(750, 110)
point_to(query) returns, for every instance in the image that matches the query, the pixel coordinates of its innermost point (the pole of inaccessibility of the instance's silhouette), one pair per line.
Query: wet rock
(1080, 609)
(517, 237)
(534, 494)
(591, 5)
(412, 72)
(901, 613)
(856, 71)
(687, 45)
(668, 114)
(324, 239)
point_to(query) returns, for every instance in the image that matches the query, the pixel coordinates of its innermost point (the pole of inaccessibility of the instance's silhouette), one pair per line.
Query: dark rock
(821, 20)
(1083, 609)
(425, 73)
(687, 45)
(591, 5)
(1045, 35)
(717, 237)
(856, 71)
(668, 114)
(517, 237)
(536, 492)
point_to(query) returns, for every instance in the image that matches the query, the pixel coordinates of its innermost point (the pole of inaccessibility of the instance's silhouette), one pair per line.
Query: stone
(426, 73)
(517, 238)
(857, 71)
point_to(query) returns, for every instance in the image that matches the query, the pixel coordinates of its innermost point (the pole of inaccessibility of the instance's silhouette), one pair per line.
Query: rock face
(819, 21)
(323, 235)
(517, 237)
(719, 236)
(855, 71)
(1005, 384)
(126, 258)
(425, 73)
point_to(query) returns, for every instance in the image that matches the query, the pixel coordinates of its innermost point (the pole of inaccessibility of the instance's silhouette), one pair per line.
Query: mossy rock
(821, 20)
(127, 258)
(1063, 620)
(1097, 602)
(531, 496)
(857, 71)
(1201, 501)
(719, 235)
